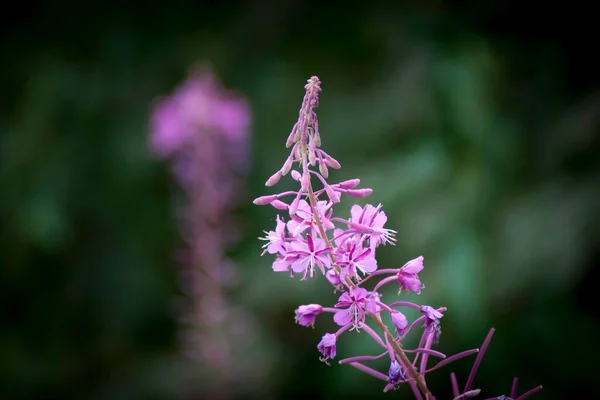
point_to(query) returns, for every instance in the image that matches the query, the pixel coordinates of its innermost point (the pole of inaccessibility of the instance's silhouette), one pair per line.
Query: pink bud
(360, 193)
(312, 158)
(264, 200)
(399, 320)
(280, 205)
(287, 166)
(290, 139)
(296, 175)
(333, 162)
(273, 179)
(294, 206)
(323, 169)
(349, 184)
(333, 277)
(305, 181)
(332, 194)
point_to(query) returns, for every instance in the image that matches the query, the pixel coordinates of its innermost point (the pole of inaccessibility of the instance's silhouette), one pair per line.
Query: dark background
(477, 126)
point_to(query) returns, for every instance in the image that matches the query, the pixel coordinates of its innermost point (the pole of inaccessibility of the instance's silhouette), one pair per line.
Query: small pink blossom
(433, 316)
(356, 301)
(354, 258)
(327, 346)
(408, 278)
(310, 253)
(275, 239)
(370, 220)
(303, 218)
(306, 314)
(400, 322)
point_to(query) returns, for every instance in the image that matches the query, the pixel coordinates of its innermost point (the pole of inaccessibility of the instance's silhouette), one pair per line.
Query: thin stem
(411, 369)
(454, 382)
(529, 393)
(513, 389)
(478, 359)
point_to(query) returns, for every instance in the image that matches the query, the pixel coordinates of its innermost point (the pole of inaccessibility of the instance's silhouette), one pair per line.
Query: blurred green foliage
(482, 146)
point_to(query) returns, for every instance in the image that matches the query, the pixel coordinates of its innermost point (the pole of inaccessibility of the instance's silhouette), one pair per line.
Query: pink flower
(327, 346)
(408, 278)
(433, 316)
(310, 254)
(303, 218)
(275, 239)
(400, 322)
(370, 220)
(356, 300)
(305, 315)
(356, 259)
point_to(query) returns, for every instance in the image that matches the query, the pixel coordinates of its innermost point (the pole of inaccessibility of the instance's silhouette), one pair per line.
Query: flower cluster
(309, 240)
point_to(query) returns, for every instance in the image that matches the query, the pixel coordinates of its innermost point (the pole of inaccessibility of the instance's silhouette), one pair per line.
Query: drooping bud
(395, 373)
(294, 206)
(264, 200)
(291, 138)
(280, 205)
(296, 175)
(287, 166)
(333, 163)
(360, 193)
(332, 194)
(323, 169)
(273, 179)
(349, 184)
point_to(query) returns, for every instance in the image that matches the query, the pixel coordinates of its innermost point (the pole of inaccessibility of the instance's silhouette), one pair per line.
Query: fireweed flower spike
(203, 131)
(310, 240)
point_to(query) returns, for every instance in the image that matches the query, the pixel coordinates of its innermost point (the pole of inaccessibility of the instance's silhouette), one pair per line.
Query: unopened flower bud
(273, 179)
(312, 159)
(333, 277)
(332, 194)
(323, 169)
(292, 137)
(399, 320)
(333, 163)
(395, 373)
(280, 205)
(287, 166)
(349, 184)
(294, 206)
(296, 175)
(264, 200)
(360, 193)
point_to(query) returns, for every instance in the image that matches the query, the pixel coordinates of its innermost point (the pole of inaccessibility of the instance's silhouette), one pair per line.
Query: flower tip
(264, 200)
(273, 179)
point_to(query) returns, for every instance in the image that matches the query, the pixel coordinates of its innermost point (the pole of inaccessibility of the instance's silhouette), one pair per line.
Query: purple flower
(333, 277)
(355, 258)
(303, 217)
(408, 278)
(370, 220)
(395, 373)
(399, 320)
(356, 300)
(305, 315)
(310, 254)
(327, 347)
(433, 316)
(275, 239)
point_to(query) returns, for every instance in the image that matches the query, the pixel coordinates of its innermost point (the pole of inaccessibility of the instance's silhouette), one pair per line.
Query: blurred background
(476, 126)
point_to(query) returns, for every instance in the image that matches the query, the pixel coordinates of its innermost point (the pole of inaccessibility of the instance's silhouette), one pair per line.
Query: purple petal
(342, 317)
